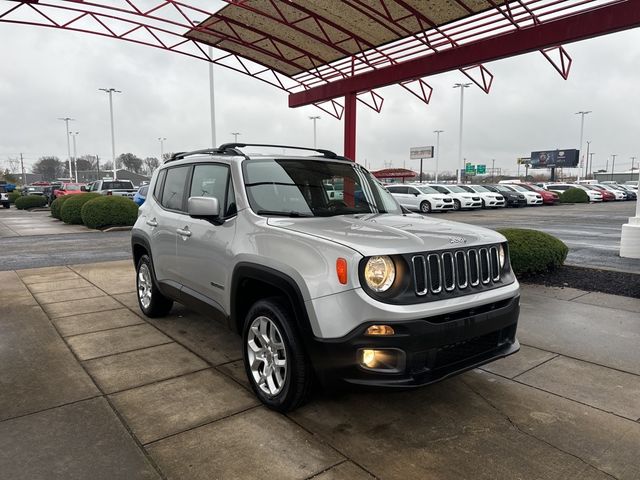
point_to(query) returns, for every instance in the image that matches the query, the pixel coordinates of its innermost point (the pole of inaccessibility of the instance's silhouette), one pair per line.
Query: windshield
(72, 188)
(519, 188)
(428, 190)
(479, 189)
(455, 189)
(502, 188)
(296, 188)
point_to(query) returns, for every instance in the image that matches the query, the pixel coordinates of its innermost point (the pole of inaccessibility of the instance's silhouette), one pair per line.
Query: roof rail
(207, 151)
(324, 153)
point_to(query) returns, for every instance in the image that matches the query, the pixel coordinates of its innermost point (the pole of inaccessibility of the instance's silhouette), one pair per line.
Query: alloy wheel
(144, 285)
(267, 356)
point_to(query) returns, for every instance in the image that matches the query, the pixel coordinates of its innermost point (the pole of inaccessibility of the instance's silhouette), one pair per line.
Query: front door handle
(152, 222)
(184, 232)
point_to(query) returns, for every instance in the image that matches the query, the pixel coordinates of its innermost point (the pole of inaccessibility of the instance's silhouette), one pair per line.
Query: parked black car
(513, 199)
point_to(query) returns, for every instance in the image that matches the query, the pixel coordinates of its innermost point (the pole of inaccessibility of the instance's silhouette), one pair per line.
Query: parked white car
(533, 198)
(422, 198)
(559, 188)
(489, 199)
(461, 198)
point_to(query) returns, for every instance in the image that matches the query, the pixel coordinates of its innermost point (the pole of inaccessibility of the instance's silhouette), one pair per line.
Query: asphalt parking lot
(592, 233)
(90, 389)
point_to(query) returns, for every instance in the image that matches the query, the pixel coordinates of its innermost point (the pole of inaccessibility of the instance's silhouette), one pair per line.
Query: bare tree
(151, 163)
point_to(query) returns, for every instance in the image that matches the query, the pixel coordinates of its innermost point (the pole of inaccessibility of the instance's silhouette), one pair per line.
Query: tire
(456, 205)
(425, 207)
(484, 205)
(151, 301)
(6, 205)
(280, 391)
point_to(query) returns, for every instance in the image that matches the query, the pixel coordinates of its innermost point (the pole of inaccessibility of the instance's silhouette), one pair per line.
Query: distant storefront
(617, 177)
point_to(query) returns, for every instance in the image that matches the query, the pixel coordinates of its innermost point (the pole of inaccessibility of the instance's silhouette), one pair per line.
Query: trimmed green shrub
(13, 196)
(532, 251)
(30, 201)
(574, 195)
(108, 211)
(56, 205)
(71, 210)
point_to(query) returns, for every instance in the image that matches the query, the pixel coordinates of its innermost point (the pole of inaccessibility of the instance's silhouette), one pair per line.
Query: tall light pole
(314, 118)
(493, 168)
(437, 132)
(75, 154)
(582, 114)
(212, 101)
(613, 164)
(591, 154)
(461, 86)
(235, 136)
(586, 164)
(161, 140)
(633, 161)
(111, 91)
(66, 132)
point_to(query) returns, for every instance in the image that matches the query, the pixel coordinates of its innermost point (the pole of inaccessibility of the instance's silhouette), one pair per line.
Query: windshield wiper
(284, 214)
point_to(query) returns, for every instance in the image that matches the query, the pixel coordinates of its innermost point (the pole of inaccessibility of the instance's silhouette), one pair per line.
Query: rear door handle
(152, 222)
(184, 233)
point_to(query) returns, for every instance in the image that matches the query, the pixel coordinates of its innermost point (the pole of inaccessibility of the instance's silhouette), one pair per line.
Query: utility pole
(162, 140)
(75, 153)
(212, 101)
(66, 121)
(235, 136)
(314, 118)
(613, 164)
(461, 86)
(493, 168)
(111, 91)
(582, 114)
(633, 161)
(98, 166)
(24, 175)
(437, 132)
(591, 164)
(586, 166)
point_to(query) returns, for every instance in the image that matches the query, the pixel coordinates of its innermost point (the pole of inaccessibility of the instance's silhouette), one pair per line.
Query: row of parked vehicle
(430, 197)
(51, 191)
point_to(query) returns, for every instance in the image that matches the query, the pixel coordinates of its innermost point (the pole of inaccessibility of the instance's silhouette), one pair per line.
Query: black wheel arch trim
(281, 281)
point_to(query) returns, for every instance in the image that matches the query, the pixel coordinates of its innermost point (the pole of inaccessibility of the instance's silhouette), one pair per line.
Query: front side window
(213, 180)
(173, 192)
(295, 187)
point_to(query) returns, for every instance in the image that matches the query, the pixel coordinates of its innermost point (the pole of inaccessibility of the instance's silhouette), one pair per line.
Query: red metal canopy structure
(334, 53)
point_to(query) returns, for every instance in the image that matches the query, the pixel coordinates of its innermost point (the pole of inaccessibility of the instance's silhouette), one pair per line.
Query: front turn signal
(341, 270)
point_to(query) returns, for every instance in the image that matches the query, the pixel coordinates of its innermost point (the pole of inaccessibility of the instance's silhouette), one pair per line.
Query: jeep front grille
(454, 270)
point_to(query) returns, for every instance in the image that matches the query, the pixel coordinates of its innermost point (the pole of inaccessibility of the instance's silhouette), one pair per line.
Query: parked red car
(548, 198)
(70, 189)
(607, 196)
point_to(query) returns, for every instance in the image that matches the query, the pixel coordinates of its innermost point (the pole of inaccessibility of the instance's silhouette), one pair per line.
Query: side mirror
(416, 193)
(205, 208)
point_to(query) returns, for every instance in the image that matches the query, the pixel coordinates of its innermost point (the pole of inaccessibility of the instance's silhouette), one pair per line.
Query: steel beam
(350, 107)
(592, 23)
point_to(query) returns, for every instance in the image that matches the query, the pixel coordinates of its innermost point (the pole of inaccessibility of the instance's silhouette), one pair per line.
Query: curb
(117, 229)
(39, 209)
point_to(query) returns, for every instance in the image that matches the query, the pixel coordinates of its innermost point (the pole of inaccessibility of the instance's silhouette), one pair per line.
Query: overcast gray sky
(49, 74)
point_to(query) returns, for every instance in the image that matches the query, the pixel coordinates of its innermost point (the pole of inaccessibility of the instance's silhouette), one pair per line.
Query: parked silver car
(421, 198)
(350, 291)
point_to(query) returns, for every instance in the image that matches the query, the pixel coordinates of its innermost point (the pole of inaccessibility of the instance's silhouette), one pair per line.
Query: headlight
(501, 256)
(379, 273)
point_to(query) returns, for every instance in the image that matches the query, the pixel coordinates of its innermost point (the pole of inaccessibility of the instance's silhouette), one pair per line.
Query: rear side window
(173, 191)
(157, 191)
(114, 185)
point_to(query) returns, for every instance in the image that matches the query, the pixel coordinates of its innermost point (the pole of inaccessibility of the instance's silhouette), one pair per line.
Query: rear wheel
(425, 207)
(456, 205)
(274, 358)
(151, 301)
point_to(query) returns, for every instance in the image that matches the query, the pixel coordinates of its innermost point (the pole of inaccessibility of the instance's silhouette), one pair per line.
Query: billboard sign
(555, 158)
(417, 153)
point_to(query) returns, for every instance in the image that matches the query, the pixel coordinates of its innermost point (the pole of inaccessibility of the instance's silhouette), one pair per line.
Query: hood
(385, 234)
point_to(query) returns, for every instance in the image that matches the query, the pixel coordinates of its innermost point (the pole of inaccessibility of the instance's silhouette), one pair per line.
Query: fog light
(380, 330)
(390, 360)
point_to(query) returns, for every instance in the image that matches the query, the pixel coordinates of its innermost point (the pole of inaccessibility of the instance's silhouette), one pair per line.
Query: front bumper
(435, 347)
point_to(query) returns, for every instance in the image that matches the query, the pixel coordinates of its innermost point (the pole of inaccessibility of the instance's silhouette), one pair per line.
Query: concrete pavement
(91, 389)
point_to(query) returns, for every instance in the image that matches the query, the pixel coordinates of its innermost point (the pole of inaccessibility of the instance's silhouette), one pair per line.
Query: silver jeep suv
(350, 290)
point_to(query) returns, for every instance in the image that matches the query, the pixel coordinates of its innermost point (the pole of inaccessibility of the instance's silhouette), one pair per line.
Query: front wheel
(151, 301)
(7, 205)
(274, 358)
(456, 205)
(425, 207)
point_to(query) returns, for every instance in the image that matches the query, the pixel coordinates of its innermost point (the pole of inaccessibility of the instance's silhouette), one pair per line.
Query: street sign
(469, 169)
(481, 169)
(418, 153)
